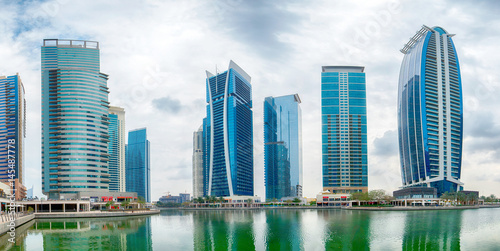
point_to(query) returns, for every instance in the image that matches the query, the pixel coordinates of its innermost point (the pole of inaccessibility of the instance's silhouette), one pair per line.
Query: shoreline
(4, 228)
(93, 214)
(333, 207)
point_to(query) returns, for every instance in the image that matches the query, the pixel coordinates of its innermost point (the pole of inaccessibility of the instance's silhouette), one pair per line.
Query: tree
(360, 196)
(249, 202)
(377, 195)
(388, 198)
(141, 201)
(125, 203)
(221, 199)
(297, 200)
(109, 204)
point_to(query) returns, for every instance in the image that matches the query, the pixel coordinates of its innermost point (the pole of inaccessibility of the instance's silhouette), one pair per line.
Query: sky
(156, 53)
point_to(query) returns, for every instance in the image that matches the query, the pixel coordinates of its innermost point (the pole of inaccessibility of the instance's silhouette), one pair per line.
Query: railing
(6, 217)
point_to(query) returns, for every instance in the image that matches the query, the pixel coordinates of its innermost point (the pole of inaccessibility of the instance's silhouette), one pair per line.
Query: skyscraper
(12, 129)
(198, 164)
(138, 167)
(343, 115)
(116, 149)
(74, 119)
(430, 121)
(229, 133)
(283, 146)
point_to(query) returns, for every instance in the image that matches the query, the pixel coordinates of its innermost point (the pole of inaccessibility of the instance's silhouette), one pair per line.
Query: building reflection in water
(345, 229)
(432, 230)
(283, 230)
(247, 230)
(223, 230)
(132, 233)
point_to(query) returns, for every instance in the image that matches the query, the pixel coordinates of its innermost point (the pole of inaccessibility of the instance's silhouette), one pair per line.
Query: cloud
(168, 104)
(156, 53)
(387, 145)
(258, 24)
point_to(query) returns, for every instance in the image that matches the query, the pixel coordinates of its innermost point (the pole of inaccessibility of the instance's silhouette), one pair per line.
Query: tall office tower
(138, 167)
(198, 164)
(283, 146)
(343, 110)
(230, 133)
(430, 109)
(74, 119)
(12, 129)
(116, 149)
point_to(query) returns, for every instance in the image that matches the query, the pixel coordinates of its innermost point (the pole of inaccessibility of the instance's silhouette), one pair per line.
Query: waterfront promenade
(21, 218)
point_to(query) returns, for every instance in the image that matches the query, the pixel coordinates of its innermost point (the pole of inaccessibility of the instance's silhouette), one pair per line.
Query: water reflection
(345, 230)
(274, 229)
(94, 234)
(433, 230)
(223, 230)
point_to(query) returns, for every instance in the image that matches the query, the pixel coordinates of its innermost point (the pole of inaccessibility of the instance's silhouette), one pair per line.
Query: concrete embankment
(6, 225)
(245, 208)
(94, 214)
(408, 208)
(490, 206)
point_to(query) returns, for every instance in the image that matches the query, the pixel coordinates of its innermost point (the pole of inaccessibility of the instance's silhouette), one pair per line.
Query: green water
(269, 230)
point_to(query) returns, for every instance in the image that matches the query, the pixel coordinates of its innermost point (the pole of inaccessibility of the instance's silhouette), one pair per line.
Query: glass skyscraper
(283, 147)
(138, 167)
(198, 164)
(74, 119)
(343, 116)
(430, 113)
(116, 149)
(12, 128)
(229, 133)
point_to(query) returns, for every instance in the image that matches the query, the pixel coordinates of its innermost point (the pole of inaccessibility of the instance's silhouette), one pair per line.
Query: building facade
(198, 163)
(283, 147)
(116, 149)
(430, 112)
(138, 167)
(74, 119)
(344, 139)
(12, 131)
(229, 133)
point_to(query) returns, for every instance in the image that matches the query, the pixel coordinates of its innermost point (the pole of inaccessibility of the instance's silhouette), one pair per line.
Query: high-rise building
(343, 115)
(116, 149)
(74, 119)
(12, 127)
(138, 167)
(12, 132)
(229, 133)
(430, 121)
(198, 164)
(283, 147)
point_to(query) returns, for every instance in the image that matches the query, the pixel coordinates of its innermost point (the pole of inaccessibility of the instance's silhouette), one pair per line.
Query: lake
(276, 229)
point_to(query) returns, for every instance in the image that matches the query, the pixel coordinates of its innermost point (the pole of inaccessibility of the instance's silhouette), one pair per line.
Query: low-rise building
(416, 196)
(326, 198)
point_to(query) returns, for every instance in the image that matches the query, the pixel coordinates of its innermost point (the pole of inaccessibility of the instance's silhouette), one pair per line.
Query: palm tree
(109, 204)
(125, 203)
(141, 201)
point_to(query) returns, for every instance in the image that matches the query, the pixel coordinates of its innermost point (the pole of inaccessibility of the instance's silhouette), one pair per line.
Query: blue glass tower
(230, 133)
(430, 112)
(283, 147)
(138, 169)
(74, 119)
(343, 115)
(116, 148)
(12, 128)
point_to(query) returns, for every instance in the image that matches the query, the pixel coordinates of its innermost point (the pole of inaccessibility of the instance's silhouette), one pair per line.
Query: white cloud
(156, 49)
